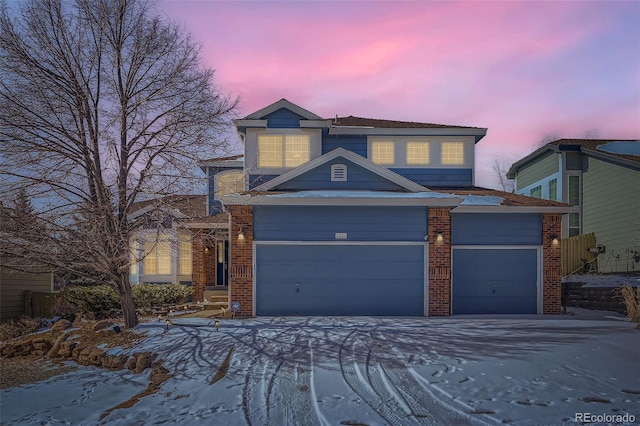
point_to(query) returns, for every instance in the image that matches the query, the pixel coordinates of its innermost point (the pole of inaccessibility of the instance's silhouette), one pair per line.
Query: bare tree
(500, 167)
(102, 104)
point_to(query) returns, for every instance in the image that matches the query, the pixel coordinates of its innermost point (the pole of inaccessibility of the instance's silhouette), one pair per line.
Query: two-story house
(357, 216)
(601, 178)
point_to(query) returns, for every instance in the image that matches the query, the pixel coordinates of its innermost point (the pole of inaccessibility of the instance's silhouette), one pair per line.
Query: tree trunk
(126, 300)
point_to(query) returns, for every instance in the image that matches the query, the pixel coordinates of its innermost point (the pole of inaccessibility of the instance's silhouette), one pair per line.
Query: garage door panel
(489, 281)
(339, 279)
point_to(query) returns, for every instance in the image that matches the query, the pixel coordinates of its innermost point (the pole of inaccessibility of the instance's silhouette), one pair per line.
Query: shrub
(20, 327)
(631, 298)
(97, 299)
(147, 295)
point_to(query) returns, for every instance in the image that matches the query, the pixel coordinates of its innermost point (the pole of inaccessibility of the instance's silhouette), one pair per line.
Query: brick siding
(551, 265)
(439, 262)
(241, 263)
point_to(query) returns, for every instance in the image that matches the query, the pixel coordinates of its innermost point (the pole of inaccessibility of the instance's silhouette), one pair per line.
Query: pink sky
(521, 69)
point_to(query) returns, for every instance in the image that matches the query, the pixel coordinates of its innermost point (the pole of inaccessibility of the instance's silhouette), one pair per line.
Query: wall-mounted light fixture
(554, 240)
(439, 237)
(240, 235)
(206, 249)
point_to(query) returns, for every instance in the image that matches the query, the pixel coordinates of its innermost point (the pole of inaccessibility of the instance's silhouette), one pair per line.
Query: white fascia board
(423, 131)
(511, 173)
(514, 209)
(250, 123)
(349, 155)
(314, 124)
(283, 103)
(266, 200)
(177, 214)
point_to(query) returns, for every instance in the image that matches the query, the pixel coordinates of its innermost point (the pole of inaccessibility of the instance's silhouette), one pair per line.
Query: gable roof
(383, 172)
(282, 103)
(189, 210)
(586, 146)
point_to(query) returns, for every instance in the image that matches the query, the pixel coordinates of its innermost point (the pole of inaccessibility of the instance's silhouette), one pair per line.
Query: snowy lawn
(357, 371)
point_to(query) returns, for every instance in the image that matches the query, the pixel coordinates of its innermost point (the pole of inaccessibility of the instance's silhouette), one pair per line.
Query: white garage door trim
(347, 243)
(540, 267)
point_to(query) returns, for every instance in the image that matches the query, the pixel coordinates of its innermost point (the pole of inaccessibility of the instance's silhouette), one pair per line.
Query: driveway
(357, 371)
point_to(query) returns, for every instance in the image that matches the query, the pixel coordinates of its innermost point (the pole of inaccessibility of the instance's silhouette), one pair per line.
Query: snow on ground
(357, 370)
(605, 280)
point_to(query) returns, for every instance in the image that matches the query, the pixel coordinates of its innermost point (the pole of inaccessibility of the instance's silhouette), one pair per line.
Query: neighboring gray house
(602, 178)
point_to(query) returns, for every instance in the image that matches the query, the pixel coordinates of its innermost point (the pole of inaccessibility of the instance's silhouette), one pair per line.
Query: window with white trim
(536, 192)
(277, 151)
(452, 153)
(231, 182)
(418, 153)
(574, 200)
(185, 261)
(157, 259)
(553, 189)
(383, 152)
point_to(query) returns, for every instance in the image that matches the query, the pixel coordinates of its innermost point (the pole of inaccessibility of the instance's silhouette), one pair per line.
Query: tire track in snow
(353, 353)
(423, 403)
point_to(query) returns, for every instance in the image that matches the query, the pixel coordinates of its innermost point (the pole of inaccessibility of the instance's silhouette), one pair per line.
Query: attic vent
(338, 173)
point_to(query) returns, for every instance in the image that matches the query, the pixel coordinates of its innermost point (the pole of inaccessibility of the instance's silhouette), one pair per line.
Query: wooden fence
(575, 252)
(39, 304)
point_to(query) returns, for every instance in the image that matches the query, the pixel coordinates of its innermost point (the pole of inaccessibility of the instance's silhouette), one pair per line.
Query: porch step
(215, 306)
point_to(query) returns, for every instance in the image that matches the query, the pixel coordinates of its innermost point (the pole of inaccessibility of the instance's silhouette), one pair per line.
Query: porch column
(439, 262)
(241, 258)
(198, 273)
(551, 265)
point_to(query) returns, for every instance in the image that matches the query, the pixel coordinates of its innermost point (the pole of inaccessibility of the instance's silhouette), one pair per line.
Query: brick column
(439, 262)
(198, 274)
(552, 269)
(241, 262)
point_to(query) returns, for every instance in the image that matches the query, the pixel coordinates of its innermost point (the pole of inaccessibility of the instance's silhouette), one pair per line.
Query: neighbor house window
(185, 255)
(452, 153)
(231, 182)
(553, 189)
(157, 259)
(283, 150)
(574, 200)
(133, 256)
(536, 192)
(417, 153)
(383, 152)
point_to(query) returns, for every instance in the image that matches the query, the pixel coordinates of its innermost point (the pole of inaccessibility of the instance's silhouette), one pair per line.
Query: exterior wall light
(439, 237)
(554, 240)
(240, 235)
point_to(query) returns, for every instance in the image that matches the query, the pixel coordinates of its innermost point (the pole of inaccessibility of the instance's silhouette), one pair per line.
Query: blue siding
(357, 178)
(283, 118)
(494, 281)
(357, 144)
(510, 229)
(255, 180)
(339, 280)
(437, 177)
(320, 223)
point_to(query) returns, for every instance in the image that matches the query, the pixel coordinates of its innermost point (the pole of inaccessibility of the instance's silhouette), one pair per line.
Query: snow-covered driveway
(357, 371)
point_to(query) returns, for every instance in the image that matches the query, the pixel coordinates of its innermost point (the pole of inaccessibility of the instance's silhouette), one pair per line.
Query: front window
(417, 153)
(185, 255)
(229, 182)
(452, 153)
(277, 151)
(157, 259)
(383, 152)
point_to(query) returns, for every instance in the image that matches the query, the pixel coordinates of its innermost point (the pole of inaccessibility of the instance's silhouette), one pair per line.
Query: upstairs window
(383, 152)
(231, 182)
(418, 153)
(278, 151)
(536, 192)
(553, 189)
(452, 153)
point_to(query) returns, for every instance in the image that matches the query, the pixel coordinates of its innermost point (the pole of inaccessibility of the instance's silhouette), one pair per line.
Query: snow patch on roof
(628, 147)
(481, 200)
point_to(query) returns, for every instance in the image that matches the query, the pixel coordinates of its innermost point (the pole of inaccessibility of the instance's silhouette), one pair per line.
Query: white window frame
(452, 158)
(390, 147)
(579, 205)
(185, 262)
(285, 139)
(412, 162)
(240, 181)
(435, 144)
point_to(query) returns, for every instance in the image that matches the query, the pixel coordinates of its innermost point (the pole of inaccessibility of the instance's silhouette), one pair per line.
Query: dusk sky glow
(521, 69)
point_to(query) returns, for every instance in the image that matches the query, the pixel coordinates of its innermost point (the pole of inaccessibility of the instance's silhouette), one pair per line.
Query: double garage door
(340, 279)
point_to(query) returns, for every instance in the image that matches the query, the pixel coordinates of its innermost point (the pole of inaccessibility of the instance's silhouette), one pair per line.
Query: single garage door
(339, 279)
(495, 281)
